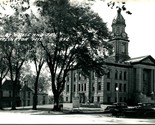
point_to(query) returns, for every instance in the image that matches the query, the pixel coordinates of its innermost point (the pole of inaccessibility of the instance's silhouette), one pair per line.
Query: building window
(124, 87)
(10, 94)
(98, 99)
(92, 98)
(118, 30)
(99, 86)
(67, 88)
(24, 102)
(109, 99)
(74, 88)
(93, 76)
(120, 99)
(66, 99)
(116, 74)
(85, 87)
(115, 99)
(82, 87)
(74, 77)
(67, 78)
(123, 48)
(28, 102)
(108, 74)
(124, 99)
(108, 86)
(93, 88)
(124, 75)
(44, 100)
(28, 95)
(79, 87)
(120, 75)
(115, 86)
(120, 87)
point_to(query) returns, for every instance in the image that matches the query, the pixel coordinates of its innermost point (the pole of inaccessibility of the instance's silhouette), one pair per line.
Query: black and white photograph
(77, 62)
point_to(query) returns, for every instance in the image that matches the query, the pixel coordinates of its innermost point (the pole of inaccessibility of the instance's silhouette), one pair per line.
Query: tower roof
(119, 19)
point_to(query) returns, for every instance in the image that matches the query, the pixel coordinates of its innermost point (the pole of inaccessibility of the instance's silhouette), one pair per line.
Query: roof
(119, 19)
(26, 88)
(7, 85)
(140, 59)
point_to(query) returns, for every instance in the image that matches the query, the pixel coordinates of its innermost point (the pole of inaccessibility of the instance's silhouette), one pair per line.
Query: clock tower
(119, 38)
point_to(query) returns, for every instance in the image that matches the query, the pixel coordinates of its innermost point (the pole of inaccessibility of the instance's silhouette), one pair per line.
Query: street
(18, 118)
(29, 116)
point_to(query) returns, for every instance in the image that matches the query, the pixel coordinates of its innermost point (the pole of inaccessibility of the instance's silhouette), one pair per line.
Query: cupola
(119, 19)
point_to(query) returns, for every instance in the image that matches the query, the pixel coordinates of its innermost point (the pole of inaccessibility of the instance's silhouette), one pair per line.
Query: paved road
(20, 118)
(43, 117)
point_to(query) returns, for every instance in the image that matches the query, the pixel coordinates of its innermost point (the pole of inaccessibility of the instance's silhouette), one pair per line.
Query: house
(26, 96)
(130, 80)
(7, 94)
(43, 99)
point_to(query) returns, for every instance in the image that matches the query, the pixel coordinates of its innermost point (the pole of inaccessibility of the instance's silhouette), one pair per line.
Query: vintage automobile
(116, 107)
(142, 110)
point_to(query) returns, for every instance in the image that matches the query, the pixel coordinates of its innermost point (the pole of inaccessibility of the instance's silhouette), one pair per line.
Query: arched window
(123, 48)
(74, 77)
(118, 30)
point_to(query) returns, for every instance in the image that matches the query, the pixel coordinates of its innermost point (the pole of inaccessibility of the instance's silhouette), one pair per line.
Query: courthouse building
(134, 78)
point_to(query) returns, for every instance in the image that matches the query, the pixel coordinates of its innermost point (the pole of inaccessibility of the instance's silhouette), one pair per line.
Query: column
(139, 79)
(95, 91)
(103, 85)
(152, 81)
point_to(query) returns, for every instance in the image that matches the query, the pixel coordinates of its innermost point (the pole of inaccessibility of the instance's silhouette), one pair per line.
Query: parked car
(141, 110)
(116, 107)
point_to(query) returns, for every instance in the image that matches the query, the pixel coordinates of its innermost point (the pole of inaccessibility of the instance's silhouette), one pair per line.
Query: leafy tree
(13, 45)
(3, 72)
(36, 53)
(43, 82)
(37, 56)
(120, 6)
(76, 34)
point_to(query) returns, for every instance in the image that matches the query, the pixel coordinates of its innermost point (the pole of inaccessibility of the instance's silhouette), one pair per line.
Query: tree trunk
(57, 105)
(1, 97)
(14, 96)
(35, 100)
(15, 90)
(35, 97)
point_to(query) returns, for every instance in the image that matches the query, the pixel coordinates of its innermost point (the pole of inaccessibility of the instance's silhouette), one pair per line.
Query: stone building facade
(133, 77)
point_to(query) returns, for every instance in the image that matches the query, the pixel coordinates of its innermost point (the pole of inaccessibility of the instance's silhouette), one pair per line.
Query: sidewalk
(68, 109)
(46, 110)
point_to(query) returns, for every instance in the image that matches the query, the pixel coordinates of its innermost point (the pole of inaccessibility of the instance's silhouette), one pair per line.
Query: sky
(140, 26)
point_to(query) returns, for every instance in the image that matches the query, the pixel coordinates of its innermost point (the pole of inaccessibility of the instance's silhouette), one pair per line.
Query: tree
(76, 34)
(43, 82)
(36, 54)
(3, 72)
(13, 44)
(38, 59)
(120, 6)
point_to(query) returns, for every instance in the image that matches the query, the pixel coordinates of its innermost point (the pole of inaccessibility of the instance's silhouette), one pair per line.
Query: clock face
(124, 35)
